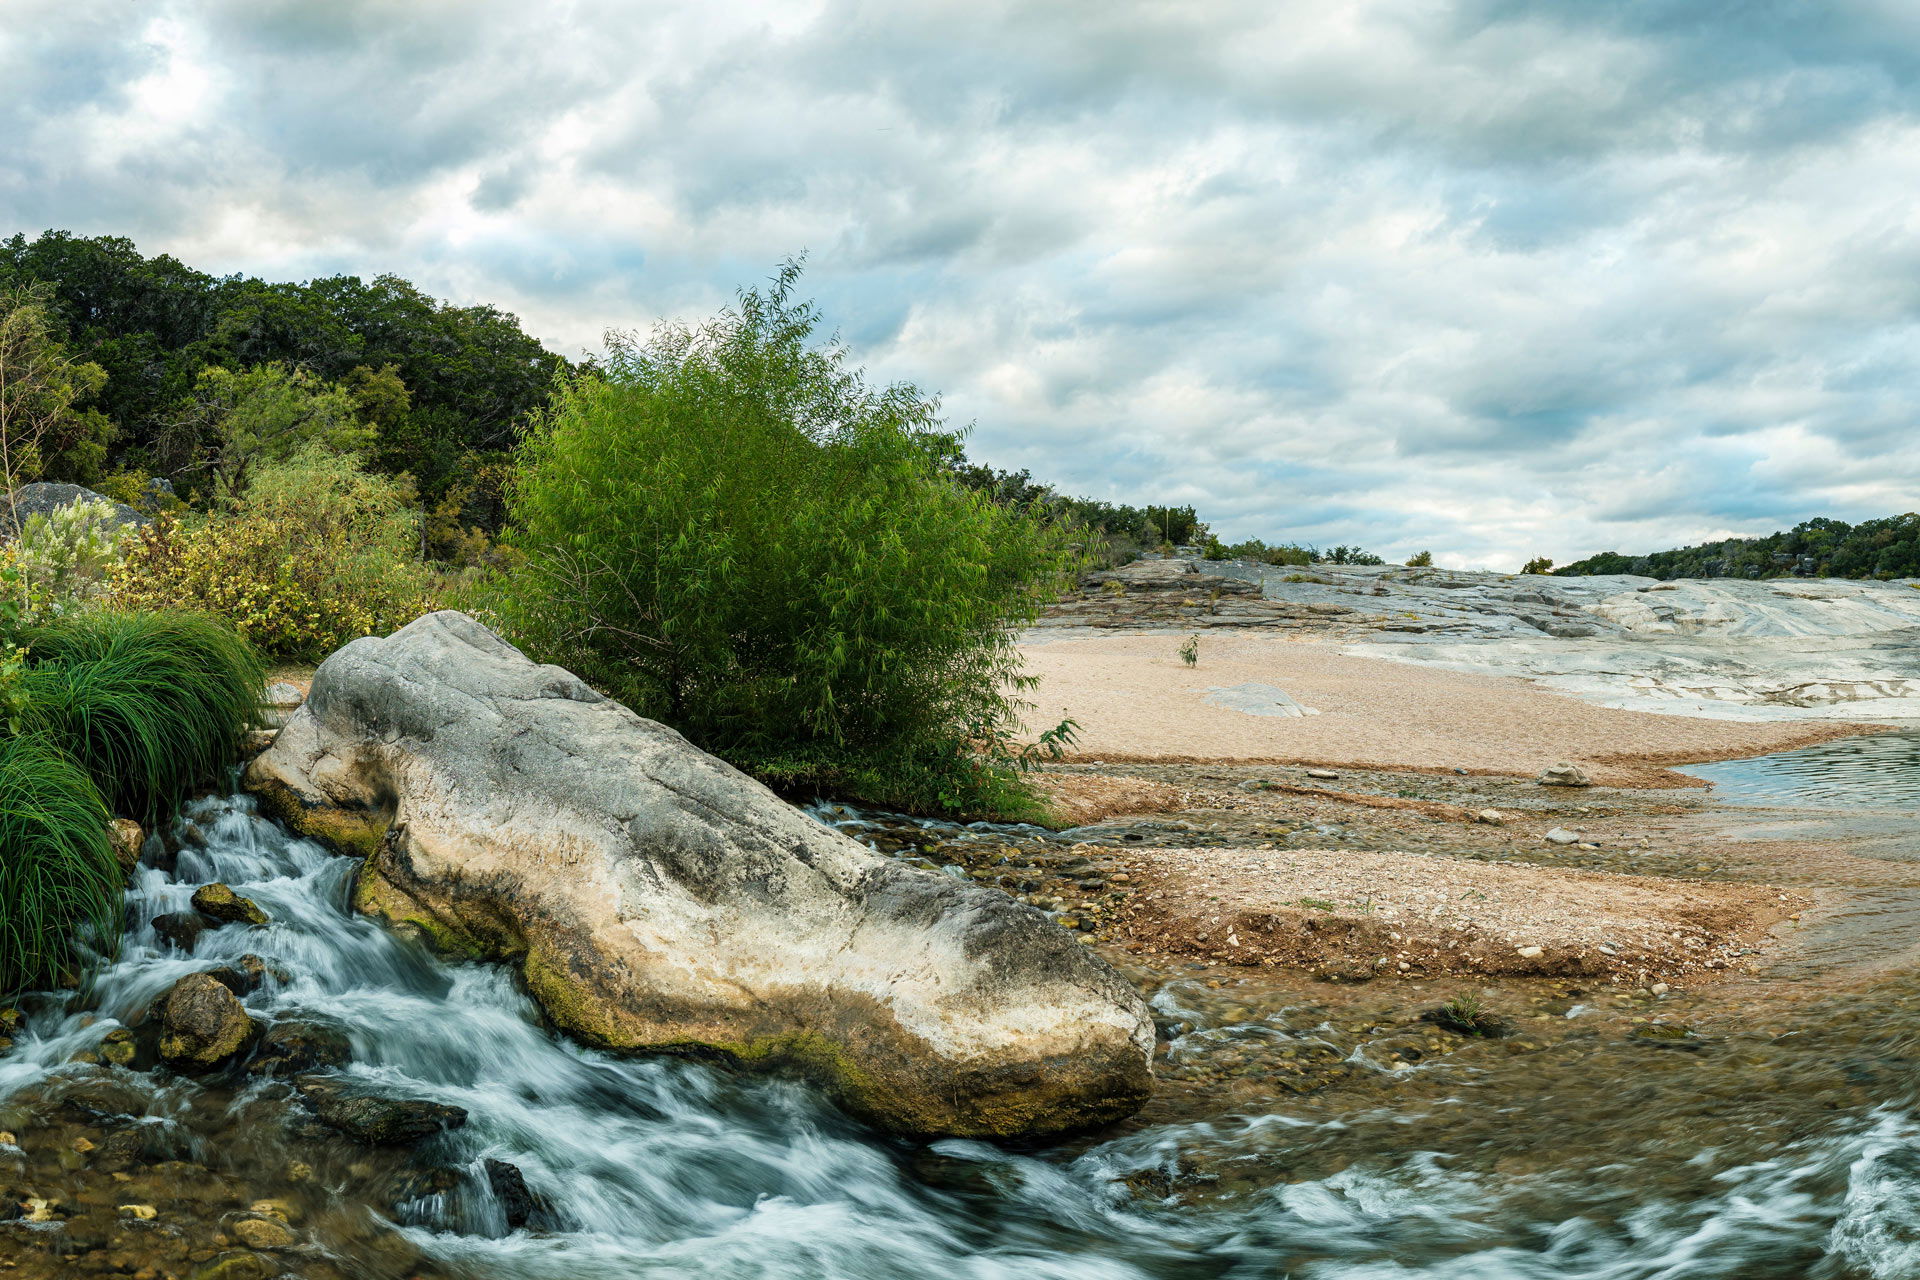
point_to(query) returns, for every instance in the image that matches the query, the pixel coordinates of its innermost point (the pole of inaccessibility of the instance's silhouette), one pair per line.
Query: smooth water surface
(1615, 1160)
(1881, 771)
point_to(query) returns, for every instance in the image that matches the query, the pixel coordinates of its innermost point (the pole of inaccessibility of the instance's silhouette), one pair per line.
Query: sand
(1135, 700)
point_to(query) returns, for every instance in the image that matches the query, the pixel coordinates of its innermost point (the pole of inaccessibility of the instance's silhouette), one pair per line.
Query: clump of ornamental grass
(58, 877)
(150, 705)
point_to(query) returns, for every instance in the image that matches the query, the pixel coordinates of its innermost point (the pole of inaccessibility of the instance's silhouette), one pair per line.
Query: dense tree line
(442, 388)
(1821, 548)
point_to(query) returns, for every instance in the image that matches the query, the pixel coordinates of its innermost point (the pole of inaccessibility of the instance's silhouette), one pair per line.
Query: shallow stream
(1879, 771)
(1581, 1147)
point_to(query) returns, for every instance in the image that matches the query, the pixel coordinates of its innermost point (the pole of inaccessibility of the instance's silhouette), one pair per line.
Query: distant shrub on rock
(731, 531)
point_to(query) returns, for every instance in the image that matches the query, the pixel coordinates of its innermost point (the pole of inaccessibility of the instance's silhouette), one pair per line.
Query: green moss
(356, 834)
(374, 896)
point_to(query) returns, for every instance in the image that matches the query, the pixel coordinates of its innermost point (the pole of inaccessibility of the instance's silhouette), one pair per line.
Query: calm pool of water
(1877, 772)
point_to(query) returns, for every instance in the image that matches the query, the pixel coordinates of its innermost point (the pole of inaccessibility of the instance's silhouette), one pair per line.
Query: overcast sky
(1491, 278)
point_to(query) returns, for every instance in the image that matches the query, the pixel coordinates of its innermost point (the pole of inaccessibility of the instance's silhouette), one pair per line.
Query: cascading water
(652, 1167)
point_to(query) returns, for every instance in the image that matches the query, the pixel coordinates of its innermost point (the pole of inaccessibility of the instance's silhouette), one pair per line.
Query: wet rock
(126, 837)
(657, 899)
(1346, 971)
(218, 902)
(510, 1189)
(202, 1025)
(386, 1122)
(181, 928)
(243, 977)
(263, 1233)
(294, 1048)
(1564, 775)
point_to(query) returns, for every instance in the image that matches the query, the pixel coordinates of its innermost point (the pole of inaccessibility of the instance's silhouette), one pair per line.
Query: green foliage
(1216, 549)
(58, 877)
(46, 429)
(239, 421)
(149, 704)
(63, 557)
(1467, 1015)
(1190, 650)
(468, 374)
(1539, 564)
(1285, 553)
(1420, 560)
(316, 553)
(1347, 555)
(730, 530)
(1821, 548)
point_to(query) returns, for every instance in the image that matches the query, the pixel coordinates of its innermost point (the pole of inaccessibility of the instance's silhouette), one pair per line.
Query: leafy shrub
(58, 877)
(317, 553)
(63, 556)
(1539, 564)
(148, 704)
(729, 530)
(1420, 560)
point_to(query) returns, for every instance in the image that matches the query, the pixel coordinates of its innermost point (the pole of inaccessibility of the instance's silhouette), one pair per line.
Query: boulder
(43, 498)
(126, 838)
(202, 1025)
(1564, 775)
(657, 899)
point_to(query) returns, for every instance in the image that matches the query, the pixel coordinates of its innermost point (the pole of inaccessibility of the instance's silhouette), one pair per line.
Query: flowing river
(1581, 1149)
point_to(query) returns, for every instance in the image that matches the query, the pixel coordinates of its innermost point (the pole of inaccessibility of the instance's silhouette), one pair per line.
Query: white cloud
(1492, 278)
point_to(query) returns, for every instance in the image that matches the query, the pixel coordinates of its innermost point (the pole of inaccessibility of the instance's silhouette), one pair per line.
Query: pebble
(1531, 953)
(144, 1212)
(1325, 775)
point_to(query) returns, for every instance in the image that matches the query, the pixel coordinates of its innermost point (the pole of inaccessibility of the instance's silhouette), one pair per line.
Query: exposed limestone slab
(658, 899)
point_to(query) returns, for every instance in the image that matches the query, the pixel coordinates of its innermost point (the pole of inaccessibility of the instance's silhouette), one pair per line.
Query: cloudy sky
(1491, 277)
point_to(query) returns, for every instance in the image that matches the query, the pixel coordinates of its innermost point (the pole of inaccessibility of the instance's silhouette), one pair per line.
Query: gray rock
(42, 498)
(295, 1048)
(657, 899)
(1564, 775)
(1560, 835)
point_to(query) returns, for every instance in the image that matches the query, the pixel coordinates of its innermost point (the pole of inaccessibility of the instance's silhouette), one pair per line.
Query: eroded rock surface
(657, 899)
(203, 1025)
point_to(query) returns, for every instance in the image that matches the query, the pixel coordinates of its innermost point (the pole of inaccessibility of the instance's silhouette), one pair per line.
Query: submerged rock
(202, 1025)
(657, 899)
(292, 1048)
(386, 1122)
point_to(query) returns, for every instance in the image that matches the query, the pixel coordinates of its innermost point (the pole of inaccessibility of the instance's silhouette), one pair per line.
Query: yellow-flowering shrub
(317, 553)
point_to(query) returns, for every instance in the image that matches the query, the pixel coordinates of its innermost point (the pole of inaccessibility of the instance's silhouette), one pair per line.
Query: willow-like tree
(728, 528)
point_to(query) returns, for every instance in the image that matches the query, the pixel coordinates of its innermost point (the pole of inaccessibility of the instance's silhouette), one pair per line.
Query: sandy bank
(1135, 700)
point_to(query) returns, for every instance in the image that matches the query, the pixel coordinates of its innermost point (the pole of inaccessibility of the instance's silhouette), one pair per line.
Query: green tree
(240, 420)
(45, 427)
(1420, 560)
(729, 529)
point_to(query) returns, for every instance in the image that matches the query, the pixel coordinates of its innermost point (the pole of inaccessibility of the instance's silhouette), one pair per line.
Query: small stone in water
(144, 1212)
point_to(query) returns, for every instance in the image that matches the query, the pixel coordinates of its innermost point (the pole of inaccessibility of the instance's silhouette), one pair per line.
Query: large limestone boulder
(658, 899)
